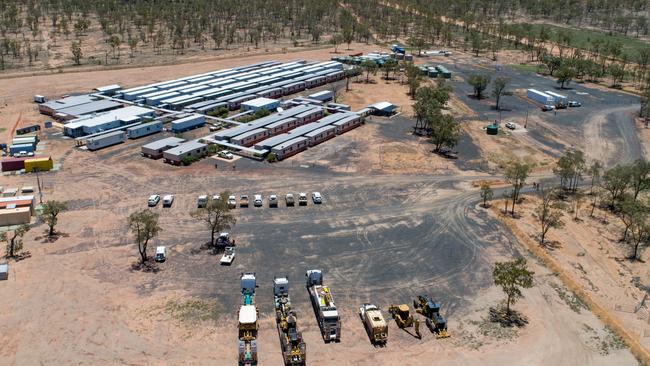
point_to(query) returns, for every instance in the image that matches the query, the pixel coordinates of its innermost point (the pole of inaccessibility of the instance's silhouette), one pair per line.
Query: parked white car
(153, 200)
(511, 125)
(232, 202)
(226, 154)
(257, 200)
(302, 199)
(316, 197)
(202, 201)
(273, 201)
(228, 256)
(168, 200)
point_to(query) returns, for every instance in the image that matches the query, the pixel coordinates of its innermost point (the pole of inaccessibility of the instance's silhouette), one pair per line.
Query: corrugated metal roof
(289, 143)
(159, 144)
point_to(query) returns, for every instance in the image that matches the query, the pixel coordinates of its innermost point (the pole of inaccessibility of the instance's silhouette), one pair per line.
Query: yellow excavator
(402, 315)
(431, 312)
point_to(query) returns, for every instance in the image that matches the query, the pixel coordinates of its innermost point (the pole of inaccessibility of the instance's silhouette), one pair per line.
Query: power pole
(38, 184)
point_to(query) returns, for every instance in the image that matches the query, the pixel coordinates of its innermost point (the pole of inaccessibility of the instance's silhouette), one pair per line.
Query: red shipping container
(12, 164)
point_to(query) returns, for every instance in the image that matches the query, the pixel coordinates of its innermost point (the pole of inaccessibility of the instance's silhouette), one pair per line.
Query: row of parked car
(258, 200)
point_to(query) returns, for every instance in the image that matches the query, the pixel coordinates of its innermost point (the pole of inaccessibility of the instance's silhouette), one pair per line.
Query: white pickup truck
(228, 256)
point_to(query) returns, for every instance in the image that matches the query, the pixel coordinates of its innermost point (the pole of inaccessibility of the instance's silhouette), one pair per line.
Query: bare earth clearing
(397, 221)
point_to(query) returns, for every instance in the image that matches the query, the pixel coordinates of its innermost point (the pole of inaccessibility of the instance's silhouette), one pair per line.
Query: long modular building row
(234, 86)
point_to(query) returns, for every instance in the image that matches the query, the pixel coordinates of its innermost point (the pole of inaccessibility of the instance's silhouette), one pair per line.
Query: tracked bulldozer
(402, 315)
(431, 311)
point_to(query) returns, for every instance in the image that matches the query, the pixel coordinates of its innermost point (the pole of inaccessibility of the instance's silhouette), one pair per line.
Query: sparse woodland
(58, 33)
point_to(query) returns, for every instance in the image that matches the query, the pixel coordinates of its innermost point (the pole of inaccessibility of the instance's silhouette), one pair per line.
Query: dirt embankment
(588, 258)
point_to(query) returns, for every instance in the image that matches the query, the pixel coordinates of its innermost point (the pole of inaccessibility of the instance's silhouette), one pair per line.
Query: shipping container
(27, 129)
(144, 129)
(540, 97)
(105, 140)
(15, 149)
(39, 164)
(31, 140)
(188, 123)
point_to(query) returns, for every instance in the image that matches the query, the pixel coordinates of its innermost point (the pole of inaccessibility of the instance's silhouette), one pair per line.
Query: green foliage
(569, 168)
(479, 82)
(216, 215)
(499, 89)
(516, 173)
(414, 77)
(271, 158)
(15, 240)
(144, 227)
(486, 192)
(77, 54)
(512, 276)
(565, 75)
(549, 213)
(442, 128)
(50, 213)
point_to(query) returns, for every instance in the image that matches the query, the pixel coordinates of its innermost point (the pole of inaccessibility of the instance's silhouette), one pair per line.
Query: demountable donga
(188, 123)
(144, 129)
(105, 140)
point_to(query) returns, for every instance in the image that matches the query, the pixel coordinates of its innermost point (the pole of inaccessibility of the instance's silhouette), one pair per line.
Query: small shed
(383, 108)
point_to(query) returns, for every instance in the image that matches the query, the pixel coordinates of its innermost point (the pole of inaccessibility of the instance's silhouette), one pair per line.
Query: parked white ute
(160, 254)
(316, 197)
(153, 200)
(228, 256)
(257, 200)
(168, 200)
(202, 201)
(273, 201)
(232, 202)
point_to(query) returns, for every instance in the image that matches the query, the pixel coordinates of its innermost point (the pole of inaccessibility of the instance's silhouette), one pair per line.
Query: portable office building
(293, 87)
(188, 123)
(260, 103)
(154, 150)
(14, 216)
(289, 148)
(144, 129)
(176, 155)
(15, 149)
(158, 99)
(43, 164)
(105, 140)
(281, 126)
(235, 103)
(347, 123)
(32, 140)
(177, 103)
(323, 96)
(211, 107)
(321, 134)
(310, 115)
(251, 137)
(540, 97)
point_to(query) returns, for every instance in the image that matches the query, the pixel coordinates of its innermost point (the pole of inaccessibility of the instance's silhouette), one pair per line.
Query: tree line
(623, 190)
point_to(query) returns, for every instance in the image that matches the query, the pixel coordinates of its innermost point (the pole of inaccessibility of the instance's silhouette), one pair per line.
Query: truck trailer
(294, 349)
(325, 310)
(540, 97)
(248, 324)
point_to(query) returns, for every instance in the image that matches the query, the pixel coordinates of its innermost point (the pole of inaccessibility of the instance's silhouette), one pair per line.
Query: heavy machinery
(324, 306)
(402, 315)
(431, 312)
(248, 324)
(375, 324)
(294, 349)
